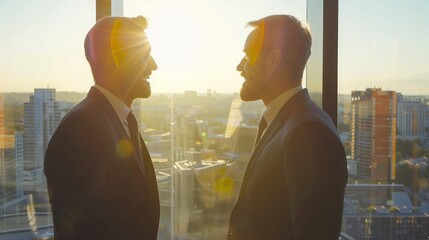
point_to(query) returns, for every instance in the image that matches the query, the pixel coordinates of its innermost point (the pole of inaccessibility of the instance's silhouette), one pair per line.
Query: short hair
(114, 39)
(292, 35)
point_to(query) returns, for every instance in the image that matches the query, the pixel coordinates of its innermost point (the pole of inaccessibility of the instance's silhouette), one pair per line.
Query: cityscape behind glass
(200, 139)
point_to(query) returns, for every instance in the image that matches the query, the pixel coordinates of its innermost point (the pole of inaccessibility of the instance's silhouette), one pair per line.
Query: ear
(275, 58)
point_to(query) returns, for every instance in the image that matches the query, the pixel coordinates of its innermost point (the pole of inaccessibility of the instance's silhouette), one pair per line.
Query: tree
(407, 174)
(410, 149)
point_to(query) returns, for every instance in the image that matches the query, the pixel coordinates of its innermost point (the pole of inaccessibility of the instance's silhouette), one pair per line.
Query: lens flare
(224, 186)
(124, 148)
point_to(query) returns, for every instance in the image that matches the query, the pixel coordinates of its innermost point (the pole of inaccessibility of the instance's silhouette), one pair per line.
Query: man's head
(276, 53)
(118, 52)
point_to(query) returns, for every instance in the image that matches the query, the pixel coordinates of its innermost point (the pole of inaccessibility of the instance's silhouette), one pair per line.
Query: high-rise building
(427, 118)
(202, 199)
(2, 131)
(19, 163)
(8, 171)
(243, 114)
(411, 118)
(241, 129)
(373, 144)
(7, 160)
(196, 135)
(41, 117)
(243, 141)
(2, 149)
(190, 134)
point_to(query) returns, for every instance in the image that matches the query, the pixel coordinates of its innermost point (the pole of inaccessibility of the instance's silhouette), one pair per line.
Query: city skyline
(204, 154)
(199, 50)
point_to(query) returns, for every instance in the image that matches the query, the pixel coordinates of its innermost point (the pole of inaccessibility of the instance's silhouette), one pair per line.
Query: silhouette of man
(293, 187)
(100, 176)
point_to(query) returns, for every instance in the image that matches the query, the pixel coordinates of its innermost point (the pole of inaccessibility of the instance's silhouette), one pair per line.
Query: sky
(198, 43)
(384, 43)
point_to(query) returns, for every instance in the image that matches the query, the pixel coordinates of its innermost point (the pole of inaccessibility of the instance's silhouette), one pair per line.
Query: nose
(152, 64)
(240, 66)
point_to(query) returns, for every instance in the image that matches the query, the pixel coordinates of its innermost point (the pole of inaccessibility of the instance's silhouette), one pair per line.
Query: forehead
(129, 39)
(129, 44)
(254, 41)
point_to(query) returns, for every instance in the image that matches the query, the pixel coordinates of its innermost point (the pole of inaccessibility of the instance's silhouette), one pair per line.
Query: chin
(146, 93)
(144, 89)
(248, 93)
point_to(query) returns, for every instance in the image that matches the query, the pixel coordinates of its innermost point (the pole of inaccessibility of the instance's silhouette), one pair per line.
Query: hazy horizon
(197, 44)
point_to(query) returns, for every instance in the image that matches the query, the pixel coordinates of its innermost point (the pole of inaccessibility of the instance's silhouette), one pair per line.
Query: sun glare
(174, 34)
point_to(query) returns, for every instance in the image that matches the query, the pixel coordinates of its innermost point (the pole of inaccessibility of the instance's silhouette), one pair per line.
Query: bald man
(100, 177)
(293, 187)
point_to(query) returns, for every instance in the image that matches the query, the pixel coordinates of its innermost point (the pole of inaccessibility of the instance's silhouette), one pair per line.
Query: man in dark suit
(293, 187)
(101, 179)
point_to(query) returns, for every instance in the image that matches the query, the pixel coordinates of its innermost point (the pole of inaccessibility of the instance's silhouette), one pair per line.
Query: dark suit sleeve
(315, 175)
(75, 175)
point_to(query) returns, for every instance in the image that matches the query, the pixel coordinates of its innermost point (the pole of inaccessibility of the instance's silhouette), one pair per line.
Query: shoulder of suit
(309, 113)
(85, 111)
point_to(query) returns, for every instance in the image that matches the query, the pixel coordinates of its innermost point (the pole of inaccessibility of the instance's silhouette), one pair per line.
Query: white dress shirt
(276, 105)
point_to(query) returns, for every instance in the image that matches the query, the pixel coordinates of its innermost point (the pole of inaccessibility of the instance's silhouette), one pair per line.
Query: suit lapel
(283, 114)
(149, 170)
(104, 103)
(271, 131)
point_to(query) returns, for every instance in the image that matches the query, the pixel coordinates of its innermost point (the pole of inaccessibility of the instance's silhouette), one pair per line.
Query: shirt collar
(274, 107)
(120, 107)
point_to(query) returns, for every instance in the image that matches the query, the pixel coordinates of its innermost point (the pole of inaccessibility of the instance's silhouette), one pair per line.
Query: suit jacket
(293, 187)
(98, 188)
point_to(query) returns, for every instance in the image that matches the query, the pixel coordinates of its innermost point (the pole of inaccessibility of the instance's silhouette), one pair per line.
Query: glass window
(383, 117)
(43, 73)
(199, 133)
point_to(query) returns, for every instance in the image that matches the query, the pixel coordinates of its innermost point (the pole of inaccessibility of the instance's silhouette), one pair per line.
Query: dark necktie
(134, 134)
(262, 125)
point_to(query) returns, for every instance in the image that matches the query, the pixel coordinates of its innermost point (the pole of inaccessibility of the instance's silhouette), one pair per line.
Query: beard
(137, 88)
(251, 91)
(144, 90)
(146, 93)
